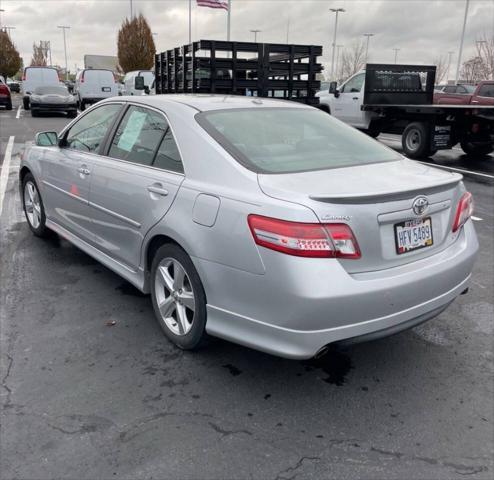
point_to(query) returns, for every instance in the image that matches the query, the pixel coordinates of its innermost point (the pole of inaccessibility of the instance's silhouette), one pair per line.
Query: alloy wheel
(32, 204)
(175, 296)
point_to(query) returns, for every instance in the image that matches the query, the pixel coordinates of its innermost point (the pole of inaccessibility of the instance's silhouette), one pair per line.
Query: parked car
(129, 81)
(5, 96)
(93, 85)
(53, 99)
(263, 222)
(462, 94)
(34, 77)
(14, 85)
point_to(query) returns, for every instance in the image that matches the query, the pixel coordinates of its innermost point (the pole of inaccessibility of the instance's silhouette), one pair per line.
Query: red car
(5, 98)
(482, 94)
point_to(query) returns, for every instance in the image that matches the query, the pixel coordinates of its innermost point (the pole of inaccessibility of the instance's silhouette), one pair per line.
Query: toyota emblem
(419, 205)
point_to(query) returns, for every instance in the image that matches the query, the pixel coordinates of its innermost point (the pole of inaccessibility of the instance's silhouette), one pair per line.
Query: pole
(51, 63)
(396, 54)
(255, 32)
(338, 48)
(1, 10)
(335, 10)
(131, 15)
(287, 29)
(228, 20)
(368, 35)
(64, 27)
(190, 22)
(461, 42)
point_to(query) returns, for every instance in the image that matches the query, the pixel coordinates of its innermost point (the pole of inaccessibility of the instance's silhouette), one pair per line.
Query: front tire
(416, 140)
(9, 106)
(25, 103)
(178, 297)
(32, 204)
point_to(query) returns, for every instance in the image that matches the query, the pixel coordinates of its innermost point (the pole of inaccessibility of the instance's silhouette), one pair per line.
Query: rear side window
(87, 133)
(168, 156)
(450, 89)
(486, 90)
(138, 136)
(287, 140)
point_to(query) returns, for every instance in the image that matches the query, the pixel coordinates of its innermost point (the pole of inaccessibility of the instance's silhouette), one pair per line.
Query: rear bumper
(298, 312)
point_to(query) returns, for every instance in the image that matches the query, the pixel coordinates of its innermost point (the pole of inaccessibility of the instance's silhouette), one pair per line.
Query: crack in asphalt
(282, 475)
(7, 403)
(225, 432)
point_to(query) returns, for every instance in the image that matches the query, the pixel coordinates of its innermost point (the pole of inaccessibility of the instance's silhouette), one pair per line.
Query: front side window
(287, 140)
(354, 84)
(138, 136)
(88, 133)
(486, 90)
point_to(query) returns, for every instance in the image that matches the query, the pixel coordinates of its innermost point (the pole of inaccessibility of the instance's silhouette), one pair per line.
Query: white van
(92, 85)
(34, 77)
(129, 81)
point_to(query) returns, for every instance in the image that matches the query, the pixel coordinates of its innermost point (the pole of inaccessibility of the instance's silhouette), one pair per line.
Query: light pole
(368, 35)
(338, 48)
(396, 50)
(449, 63)
(131, 15)
(65, 27)
(255, 32)
(461, 42)
(1, 10)
(337, 11)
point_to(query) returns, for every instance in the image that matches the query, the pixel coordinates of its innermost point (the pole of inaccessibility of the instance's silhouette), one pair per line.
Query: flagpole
(228, 20)
(190, 22)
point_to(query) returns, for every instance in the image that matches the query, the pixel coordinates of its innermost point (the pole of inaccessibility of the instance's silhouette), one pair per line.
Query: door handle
(475, 101)
(355, 98)
(84, 170)
(157, 189)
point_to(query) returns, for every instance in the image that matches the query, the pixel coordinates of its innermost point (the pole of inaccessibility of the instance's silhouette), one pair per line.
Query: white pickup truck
(398, 99)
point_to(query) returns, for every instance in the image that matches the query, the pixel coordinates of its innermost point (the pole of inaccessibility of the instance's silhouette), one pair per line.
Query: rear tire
(83, 105)
(72, 114)
(480, 150)
(25, 103)
(416, 140)
(9, 106)
(34, 113)
(178, 297)
(33, 207)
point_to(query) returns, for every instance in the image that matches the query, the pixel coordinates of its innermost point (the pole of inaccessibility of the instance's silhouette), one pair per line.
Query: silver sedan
(264, 222)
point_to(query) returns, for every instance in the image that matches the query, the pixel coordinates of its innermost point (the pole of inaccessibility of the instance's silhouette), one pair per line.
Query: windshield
(51, 90)
(287, 140)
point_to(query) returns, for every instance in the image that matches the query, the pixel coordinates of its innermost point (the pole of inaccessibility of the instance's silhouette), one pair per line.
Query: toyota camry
(264, 222)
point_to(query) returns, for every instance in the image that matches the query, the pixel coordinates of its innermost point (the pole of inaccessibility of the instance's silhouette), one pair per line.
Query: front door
(135, 184)
(347, 105)
(66, 170)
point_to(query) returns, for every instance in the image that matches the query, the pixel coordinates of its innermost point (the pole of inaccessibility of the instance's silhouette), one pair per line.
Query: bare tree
(10, 60)
(442, 65)
(39, 56)
(136, 47)
(474, 70)
(485, 50)
(352, 60)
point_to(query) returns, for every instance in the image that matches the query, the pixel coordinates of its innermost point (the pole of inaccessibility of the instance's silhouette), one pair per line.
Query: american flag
(213, 3)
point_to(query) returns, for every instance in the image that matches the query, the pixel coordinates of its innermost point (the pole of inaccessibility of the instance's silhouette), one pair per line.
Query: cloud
(421, 29)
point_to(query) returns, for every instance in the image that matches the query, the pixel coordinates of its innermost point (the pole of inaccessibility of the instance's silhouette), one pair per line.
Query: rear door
(135, 184)
(484, 95)
(67, 170)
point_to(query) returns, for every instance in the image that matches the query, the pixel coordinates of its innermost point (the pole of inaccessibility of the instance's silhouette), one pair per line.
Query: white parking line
(18, 112)
(462, 170)
(4, 175)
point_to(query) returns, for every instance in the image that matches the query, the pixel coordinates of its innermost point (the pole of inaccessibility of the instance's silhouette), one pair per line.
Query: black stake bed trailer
(400, 98)
(241, 68)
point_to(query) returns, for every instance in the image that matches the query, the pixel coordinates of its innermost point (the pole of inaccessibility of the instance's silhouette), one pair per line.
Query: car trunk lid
(375, 200)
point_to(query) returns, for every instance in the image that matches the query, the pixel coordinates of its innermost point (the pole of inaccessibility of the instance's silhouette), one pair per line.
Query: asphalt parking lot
(91, 389)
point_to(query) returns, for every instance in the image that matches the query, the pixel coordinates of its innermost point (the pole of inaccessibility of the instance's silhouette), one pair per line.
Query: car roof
(208, 102)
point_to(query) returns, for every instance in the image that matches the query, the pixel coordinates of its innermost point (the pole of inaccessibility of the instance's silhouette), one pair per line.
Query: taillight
(24, 77)
(464, 211)
(330, 240)
(4, 89)
(82, 77)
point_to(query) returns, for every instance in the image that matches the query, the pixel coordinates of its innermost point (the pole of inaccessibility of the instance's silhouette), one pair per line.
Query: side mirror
(333, 87)
(46, 139)
(146, 90)
(139, 83)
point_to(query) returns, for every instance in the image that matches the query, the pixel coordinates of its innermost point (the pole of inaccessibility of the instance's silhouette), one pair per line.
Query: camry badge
(420, 205)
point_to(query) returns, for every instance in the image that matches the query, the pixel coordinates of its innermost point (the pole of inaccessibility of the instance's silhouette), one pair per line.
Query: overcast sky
(421, 29)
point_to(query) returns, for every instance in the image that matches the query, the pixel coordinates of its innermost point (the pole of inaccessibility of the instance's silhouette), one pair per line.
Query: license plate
(106, 89)
(413, 234)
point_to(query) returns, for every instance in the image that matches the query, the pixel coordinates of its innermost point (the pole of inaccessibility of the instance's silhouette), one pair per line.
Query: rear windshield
(48, 75)
(51, 90)
(99, 76)
(287, 140)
